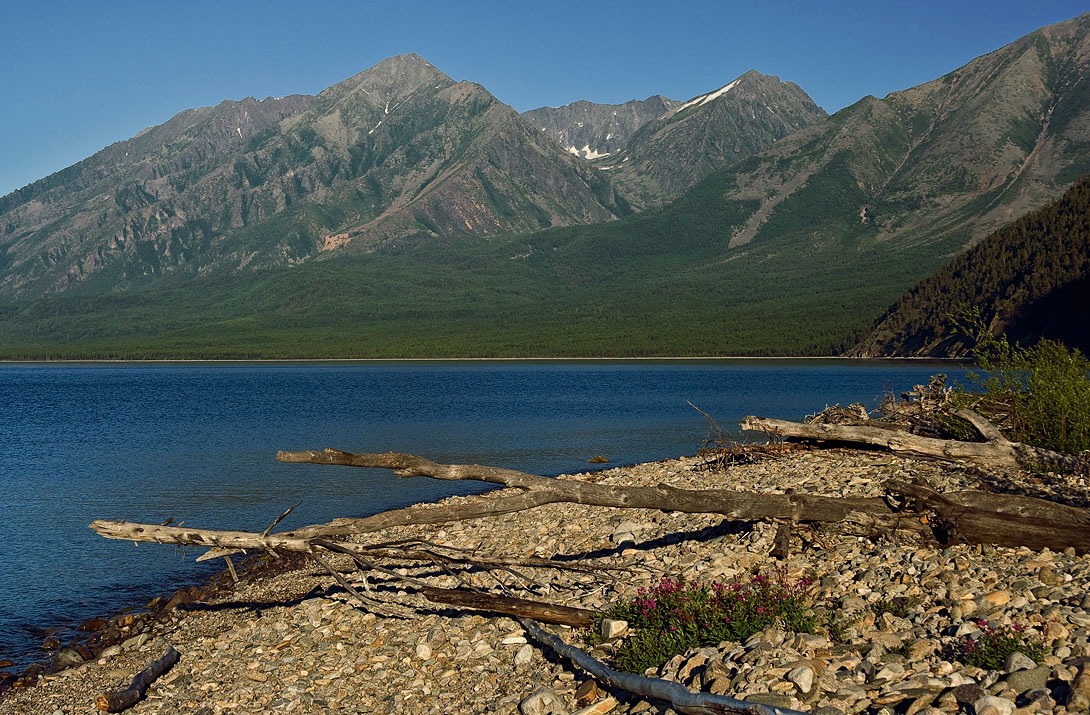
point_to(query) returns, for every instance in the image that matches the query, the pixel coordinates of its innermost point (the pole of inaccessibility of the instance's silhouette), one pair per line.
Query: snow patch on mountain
(705, 98)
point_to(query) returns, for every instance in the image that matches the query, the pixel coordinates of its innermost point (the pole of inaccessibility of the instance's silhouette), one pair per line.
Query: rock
(1021, 681)
(996, 598)
(1079, 697)
(599, 708)
(423, 651)
(1018, 661)
(968, 694)
(775, 700)
(93, 624)
(610, 628)
(67, 657)
(992, 705)
(543, 701)
(1049, 576)
(802, 677)
(524, 655)
(1037, 701)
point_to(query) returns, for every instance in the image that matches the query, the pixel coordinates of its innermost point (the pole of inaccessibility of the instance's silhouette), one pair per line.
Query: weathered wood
(538, 491)
(1021, 521)
(866, 516)
(996, 453)
(118, 700)
(681, 699)
(518, 607)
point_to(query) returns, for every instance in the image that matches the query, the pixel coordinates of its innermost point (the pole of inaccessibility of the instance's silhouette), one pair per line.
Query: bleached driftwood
(997, 452)
(1027, 522)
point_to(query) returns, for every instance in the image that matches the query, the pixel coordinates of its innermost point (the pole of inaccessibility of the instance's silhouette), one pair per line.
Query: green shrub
(674, 616)
(1040, 395)
(990, 647)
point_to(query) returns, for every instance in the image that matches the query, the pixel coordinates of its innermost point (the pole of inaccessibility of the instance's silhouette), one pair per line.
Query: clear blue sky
(77, 75)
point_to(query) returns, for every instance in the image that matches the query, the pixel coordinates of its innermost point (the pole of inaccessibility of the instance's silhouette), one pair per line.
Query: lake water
(197, 443)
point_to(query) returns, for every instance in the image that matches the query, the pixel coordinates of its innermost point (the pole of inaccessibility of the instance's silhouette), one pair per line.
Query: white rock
(802, 677)
(611, 628)
(991, 703)
(524, 655)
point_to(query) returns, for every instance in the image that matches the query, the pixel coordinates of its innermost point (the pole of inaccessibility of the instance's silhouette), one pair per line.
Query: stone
(524, 655)
(1037, 701)
(423, 651)
(992, 705)
(1021, 681)
(612, 628)
(996, 598)
(1018, 661)
(968, 694)
(543, 701)
(802, 677)
(67, 657)
(601, 707)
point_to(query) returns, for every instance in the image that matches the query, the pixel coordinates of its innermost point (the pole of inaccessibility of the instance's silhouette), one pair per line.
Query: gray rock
(543, 701)
(1021, 681)
(524, 655)
(1018, 661)
(772, 699)
(968, 694)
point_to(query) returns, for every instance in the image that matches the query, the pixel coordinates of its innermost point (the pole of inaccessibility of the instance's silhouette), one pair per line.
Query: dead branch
(997, 453)
(118, 700)
(680, 698)
(518, 607)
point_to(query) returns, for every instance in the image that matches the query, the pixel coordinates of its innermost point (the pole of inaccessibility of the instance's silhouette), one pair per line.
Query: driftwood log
(956, 517)
(118, 700)
(997, 452)
(680, 698)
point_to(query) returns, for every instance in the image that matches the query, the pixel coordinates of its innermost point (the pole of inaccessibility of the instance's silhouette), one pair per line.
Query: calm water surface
(197, 443)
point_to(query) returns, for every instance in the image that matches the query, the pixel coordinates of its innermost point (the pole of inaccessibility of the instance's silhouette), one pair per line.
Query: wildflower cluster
(990, 647)
(675, 615)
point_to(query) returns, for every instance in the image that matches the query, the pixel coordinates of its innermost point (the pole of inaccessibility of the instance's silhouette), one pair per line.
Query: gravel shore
(294, 641)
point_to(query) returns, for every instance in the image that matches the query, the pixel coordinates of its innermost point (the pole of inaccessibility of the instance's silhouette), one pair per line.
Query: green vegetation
(660, 283)
(1041, 394)
(674, 615)
(990, 647)
(1030, 279)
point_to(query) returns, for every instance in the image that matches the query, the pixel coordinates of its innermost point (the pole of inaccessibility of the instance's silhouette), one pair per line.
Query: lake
(197, 443)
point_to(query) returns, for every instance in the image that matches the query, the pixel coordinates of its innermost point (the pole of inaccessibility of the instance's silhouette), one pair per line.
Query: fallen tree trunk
(118, 700)
(996, 453)
(1029, 522)
(680, 698)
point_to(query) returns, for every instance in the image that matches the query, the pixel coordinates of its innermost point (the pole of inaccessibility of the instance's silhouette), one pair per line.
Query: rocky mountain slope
(1030, 279)
(673, 152)
(593, 130)
(934, 167)
(396, 152)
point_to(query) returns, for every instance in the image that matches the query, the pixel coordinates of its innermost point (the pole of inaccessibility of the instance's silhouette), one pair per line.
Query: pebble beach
(289, 638)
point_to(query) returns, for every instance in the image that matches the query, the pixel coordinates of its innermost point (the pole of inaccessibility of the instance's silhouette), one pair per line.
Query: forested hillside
(1029, 280)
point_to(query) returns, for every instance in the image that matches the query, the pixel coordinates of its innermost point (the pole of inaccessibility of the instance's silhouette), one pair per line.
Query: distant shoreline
(445, 360)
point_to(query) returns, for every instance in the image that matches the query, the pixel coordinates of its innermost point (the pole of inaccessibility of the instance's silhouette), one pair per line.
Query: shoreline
(294, 640)
(517, 360)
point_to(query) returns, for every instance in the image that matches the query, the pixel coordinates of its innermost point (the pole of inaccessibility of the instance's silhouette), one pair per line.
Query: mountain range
(743, 201)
